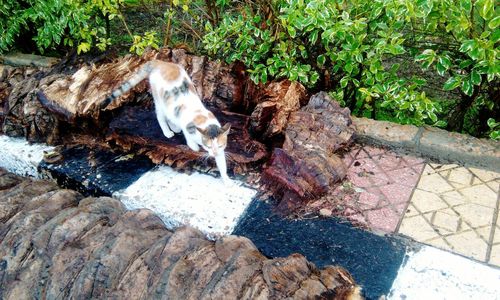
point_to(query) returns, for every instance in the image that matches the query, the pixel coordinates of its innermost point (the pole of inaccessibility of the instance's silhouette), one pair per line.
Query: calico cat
(179, 108)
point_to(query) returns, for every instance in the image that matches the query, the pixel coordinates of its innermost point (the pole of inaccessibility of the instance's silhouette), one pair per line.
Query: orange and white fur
(179, 108)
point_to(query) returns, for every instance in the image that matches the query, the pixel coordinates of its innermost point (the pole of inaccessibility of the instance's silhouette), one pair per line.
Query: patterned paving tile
(383, 181)
(456, 208)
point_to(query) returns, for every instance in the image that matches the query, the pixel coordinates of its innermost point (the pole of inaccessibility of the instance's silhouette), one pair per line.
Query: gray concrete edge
(434, 143)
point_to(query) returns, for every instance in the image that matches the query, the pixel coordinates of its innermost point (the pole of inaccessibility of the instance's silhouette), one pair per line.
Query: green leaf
(491, 123)
(83, 47)
(321, 60)
(440, 69)
(495, 135)
(466, 5)
(397, 49)
(475, 78)
(485, 7)
(432, 116)
(349, 67)
(467, 45)
(313, 37)
(464, 64)
(314, 77)
(344, 81)
(291, 31)
(467, 87)
(263, 76)
(494, 22)
(495, 36)
(440, 123)
(452, 83)
(444, 61)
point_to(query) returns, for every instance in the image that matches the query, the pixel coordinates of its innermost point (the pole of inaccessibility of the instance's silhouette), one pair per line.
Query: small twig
(167, 30)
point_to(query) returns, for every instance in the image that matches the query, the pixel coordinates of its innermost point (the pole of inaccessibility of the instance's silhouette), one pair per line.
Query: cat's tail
(136, 78)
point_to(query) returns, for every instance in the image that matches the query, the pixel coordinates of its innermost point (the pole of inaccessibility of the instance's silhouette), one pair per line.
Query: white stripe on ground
(19, 157)
(199, 200)
(436, 274)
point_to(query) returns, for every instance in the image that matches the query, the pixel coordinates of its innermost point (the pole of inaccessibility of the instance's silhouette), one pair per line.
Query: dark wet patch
(97, 172)
(373, 260)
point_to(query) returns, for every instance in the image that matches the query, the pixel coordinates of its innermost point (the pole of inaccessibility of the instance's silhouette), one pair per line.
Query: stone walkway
(448, 206)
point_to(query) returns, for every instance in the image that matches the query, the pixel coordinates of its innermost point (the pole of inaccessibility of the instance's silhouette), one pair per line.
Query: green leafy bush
(329, 44)
(349, 47)
(460, 41)
(71, 23)
(494, 129)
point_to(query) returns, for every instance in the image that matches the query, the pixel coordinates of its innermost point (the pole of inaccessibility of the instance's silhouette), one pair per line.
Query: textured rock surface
(306, 167)
(57, 244)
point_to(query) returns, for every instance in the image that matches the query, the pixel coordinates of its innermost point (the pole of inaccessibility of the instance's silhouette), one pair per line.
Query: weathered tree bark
(20, 112)
(274, 103)
(306, 167)
(56, 244)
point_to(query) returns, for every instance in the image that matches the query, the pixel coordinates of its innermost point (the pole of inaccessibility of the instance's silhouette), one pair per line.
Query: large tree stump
(306, 167)
(81, 94)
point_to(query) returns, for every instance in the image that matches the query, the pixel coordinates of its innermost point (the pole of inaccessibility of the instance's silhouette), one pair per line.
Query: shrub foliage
(378, 57)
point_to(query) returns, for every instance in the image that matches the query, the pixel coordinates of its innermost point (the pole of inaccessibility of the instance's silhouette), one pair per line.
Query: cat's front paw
(193, 146)
(168, 134)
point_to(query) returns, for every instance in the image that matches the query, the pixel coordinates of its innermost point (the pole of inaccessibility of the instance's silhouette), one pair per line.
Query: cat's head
(214, 138)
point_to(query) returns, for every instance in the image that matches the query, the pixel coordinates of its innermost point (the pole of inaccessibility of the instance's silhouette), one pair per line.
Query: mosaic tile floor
(444, 205)
(456, 208)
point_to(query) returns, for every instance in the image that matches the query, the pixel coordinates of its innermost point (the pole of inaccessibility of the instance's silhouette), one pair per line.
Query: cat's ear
(225, 128)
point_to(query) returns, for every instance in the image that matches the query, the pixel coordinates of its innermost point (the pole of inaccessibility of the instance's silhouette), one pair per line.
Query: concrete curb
(431, 142)
(22, 59)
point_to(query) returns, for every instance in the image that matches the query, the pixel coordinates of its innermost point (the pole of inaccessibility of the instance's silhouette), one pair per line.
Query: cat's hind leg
(160, 116)
(163, 124)
(174, 127)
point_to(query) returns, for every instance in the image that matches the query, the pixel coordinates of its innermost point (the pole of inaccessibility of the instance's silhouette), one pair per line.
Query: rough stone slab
(199, 200)
(22, 59)
(460, 148)
(55, 244)
(20, 157)
(385, 133)
(372, 259)
(436, 274)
